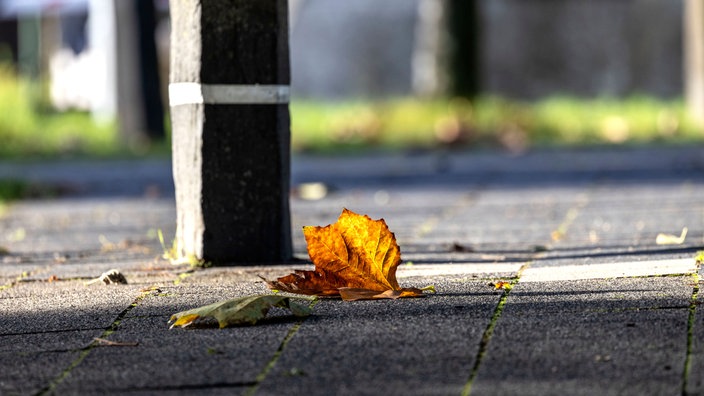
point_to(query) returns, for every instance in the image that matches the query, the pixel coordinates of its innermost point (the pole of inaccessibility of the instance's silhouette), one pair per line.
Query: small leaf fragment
(699, 258)
(669, 239)
(502, 285)
(460, 248)
(110, 277)
(429, 289)
(246, 310)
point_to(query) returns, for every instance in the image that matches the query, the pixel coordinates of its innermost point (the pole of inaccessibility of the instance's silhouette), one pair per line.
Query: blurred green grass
(29, 128)
(490, 122)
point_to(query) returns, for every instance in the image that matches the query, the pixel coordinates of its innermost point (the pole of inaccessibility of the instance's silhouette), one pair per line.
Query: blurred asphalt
(597, 306)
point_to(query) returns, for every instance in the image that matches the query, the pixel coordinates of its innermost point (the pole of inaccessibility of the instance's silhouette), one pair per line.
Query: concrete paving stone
(515, 235)
(30, 373)
(385, 201)
(695, 380)
(564, 272)
(579, 237)
(249, 278)
(612, 294)
(39, 307)
(28, 362)
(44, 327)
(508, 224)
(21, 345)
(514, 214)
(637, 199)
(624, 227)
(581, 337)
(587, 354)
(85, 271)
(407, 346)
(135, 272)
(176, 359)
(146, 272)
(202, 358)
(78, 224)
(11, 273)
(464, 248)
(646, 215)
(653, 219)
(532, 188)
(471, 260)
(586, 255)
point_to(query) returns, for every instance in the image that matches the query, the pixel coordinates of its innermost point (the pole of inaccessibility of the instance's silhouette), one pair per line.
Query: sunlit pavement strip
(610, 270)
(556, 273)
(406, 271)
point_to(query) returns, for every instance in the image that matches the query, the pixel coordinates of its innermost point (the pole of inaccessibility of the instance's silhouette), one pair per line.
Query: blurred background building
(366, 48)
(517, 48)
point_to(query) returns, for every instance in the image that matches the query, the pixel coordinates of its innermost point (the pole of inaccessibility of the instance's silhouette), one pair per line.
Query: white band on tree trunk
(196, 93)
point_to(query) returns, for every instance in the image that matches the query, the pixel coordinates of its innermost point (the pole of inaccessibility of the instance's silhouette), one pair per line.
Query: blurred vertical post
(465, 30)
(694, 58)
(428, 77)
(228, 92)
(101, 30)
(139, 103)
(29, 45)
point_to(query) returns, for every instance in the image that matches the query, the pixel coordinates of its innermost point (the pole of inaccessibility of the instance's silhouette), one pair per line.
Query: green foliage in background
(30, 128)
(489, 122)
(12, 189)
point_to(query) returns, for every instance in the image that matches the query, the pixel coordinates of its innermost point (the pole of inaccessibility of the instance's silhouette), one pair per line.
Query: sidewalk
(597, 306)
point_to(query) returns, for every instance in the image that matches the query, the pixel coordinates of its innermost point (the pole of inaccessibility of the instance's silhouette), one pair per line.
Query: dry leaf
(501, 285)
(240, 311)
(457, 247)
(355, 258)
(111, 277)
(669, 239)
(557, 236)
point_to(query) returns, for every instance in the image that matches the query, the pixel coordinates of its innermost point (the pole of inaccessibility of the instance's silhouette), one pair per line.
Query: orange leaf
(352, 294)
(356, 257)
(502, 285)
